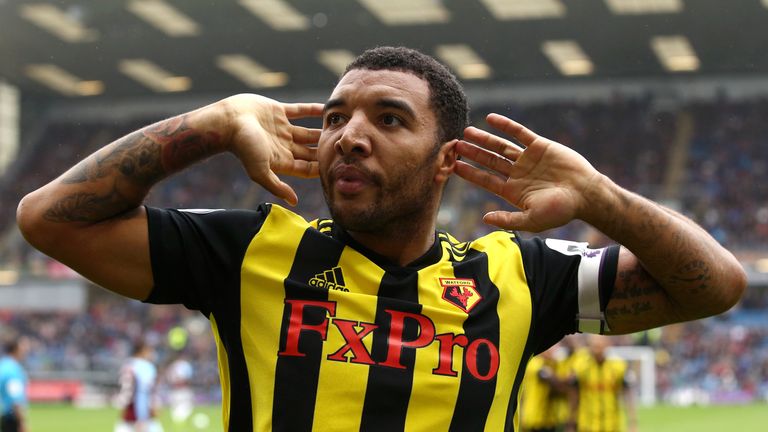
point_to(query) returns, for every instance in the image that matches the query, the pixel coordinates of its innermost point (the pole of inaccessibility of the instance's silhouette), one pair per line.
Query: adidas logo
(330, 279)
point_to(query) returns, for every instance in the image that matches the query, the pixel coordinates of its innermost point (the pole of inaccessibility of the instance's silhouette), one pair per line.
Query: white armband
(590, 316)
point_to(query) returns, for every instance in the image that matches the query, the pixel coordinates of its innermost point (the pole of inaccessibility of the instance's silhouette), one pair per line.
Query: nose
(355, 138)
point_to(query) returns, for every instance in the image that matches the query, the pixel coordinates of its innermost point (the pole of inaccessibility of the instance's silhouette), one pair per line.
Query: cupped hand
(267, 143)
(546, 180)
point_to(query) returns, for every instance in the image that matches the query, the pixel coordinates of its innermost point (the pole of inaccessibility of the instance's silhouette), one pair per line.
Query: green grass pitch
(745, 418)
(727, 418)
(59, 418)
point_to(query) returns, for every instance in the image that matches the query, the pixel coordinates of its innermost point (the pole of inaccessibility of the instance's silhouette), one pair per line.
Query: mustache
(354, 162)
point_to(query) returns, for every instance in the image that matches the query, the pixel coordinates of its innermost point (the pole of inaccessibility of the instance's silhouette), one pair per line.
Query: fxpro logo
(354, 333)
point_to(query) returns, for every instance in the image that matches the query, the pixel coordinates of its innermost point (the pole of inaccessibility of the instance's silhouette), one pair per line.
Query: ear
(446, 161)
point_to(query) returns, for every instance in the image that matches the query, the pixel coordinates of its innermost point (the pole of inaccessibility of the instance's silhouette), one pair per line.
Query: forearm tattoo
(118, 177)
(135, 157)
(682, 276)
(182, 145)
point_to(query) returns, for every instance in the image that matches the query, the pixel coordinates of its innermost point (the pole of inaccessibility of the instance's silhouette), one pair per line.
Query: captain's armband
(596, 278)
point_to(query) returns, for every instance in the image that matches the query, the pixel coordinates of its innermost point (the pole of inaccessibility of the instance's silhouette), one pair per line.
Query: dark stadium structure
(728, 38)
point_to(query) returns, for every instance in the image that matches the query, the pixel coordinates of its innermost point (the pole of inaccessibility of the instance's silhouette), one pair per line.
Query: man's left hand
(546, 180)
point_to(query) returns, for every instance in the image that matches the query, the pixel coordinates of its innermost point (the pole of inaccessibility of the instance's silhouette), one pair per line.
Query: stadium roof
(142, 47)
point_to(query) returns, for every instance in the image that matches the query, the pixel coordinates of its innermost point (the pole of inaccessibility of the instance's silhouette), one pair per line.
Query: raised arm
(91, 217)
(669, 270)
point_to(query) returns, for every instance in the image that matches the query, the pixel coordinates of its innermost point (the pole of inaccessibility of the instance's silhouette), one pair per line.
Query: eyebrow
(396, 104)
(333, 103)
(381, 103)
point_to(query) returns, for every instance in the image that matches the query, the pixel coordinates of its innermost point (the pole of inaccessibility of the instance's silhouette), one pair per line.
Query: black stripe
(227, 314)
(228, 324)
(296, 378)
(475, 396)
(389, 389)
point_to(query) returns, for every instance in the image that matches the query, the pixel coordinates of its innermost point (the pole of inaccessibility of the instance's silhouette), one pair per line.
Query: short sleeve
(14, 390)
(570, 287)
(197, 254)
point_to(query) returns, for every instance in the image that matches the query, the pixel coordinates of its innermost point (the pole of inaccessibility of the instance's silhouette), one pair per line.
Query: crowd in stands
(628, 139)
(95, 343)
(726, 188)
(713, 361)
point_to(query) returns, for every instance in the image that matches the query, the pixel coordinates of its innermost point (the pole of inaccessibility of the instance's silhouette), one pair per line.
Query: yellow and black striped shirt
(539, 398)
(316, 332)
(601, 387)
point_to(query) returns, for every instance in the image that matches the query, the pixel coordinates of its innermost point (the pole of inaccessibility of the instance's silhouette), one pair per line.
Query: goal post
(642, 361)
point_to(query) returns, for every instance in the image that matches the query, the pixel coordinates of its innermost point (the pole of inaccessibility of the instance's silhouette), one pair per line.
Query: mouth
(350, 179)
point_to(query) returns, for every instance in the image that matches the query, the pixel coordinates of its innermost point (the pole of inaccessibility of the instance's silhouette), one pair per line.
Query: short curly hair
(447, 97)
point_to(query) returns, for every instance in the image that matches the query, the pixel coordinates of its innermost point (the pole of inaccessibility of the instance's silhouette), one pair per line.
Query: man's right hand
(91, 218)
(267, 143)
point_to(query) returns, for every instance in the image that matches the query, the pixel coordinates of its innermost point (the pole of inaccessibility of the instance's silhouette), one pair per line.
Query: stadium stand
(683, 154)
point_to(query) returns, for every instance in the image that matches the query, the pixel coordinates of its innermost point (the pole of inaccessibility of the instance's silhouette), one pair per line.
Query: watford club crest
(461, 293)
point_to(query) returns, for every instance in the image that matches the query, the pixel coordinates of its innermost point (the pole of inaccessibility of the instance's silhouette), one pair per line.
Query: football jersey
(138, 377)
(13, 385)
(601, 395)
(538, 398)
(316, 332)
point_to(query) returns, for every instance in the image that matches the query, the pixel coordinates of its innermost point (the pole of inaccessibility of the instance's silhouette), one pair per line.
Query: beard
(398, 204)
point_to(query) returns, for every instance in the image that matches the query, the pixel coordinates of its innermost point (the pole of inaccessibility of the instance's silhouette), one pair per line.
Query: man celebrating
(376, 320)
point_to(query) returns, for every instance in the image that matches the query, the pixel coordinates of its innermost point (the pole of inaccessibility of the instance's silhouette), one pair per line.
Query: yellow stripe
(267, 262)
(223, 373)
(505, 268)
(424, 412)
(537, 401)
(341, 386)
(534, 395)
(322, 225)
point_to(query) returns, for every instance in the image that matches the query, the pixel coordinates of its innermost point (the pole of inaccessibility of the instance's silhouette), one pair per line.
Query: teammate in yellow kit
(543, 390)
(602, 399)
(572, 352)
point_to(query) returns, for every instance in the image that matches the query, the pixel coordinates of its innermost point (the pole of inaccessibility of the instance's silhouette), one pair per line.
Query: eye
(391, 120)
(333, 119)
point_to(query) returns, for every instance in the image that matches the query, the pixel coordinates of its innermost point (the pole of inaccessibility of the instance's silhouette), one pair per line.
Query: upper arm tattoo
(691, 271)
(633, 293)
(117, 177)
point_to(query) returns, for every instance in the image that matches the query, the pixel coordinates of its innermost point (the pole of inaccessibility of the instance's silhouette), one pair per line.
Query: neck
(402, 242)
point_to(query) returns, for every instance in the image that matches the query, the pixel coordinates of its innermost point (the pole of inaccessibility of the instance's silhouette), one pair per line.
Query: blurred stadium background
(667, 97)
